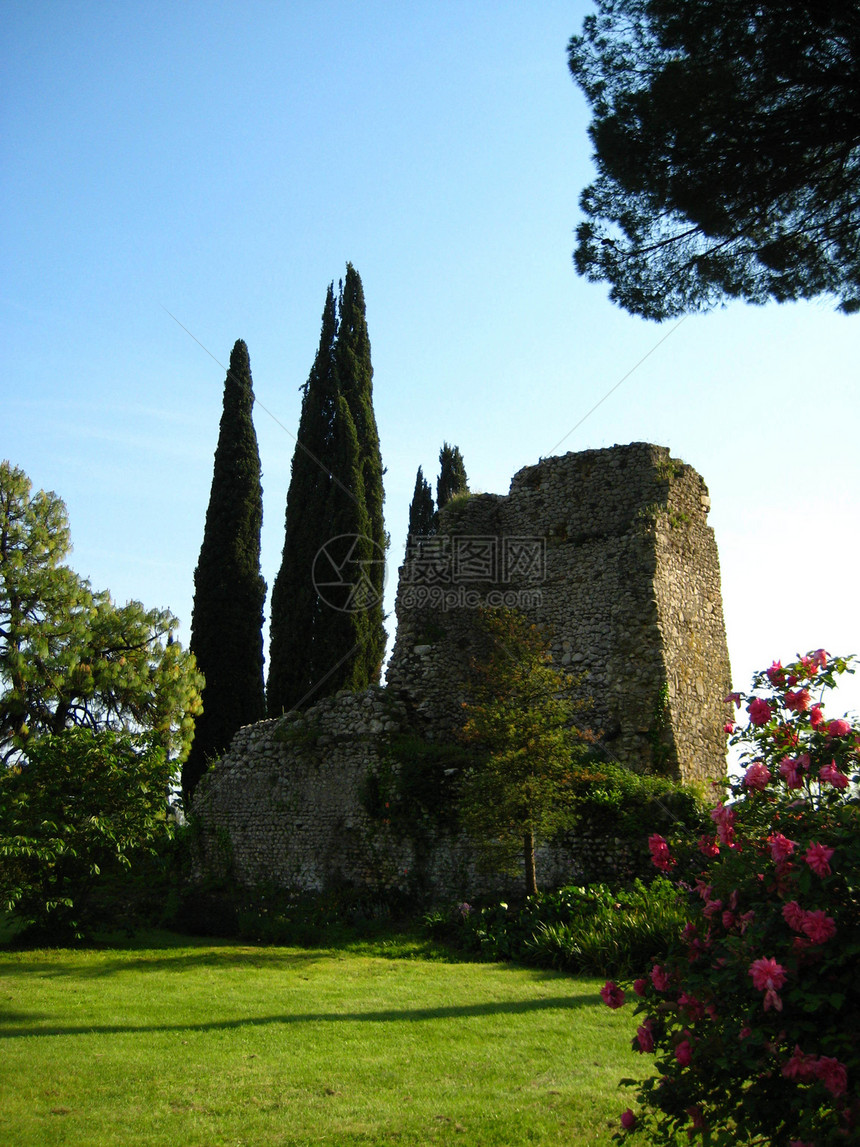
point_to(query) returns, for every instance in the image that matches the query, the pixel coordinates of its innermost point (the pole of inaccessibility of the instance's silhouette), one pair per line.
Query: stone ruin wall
(283, 808)
(608, 548)
(626, 579)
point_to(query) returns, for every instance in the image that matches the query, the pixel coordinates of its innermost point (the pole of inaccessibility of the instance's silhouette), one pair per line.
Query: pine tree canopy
(422, 516)
(727, 147)
(452, 475)
(229, 590)
(70, 657)
(327, 622)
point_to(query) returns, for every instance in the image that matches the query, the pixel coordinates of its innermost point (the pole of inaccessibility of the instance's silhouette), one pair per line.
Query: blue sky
(223, 161)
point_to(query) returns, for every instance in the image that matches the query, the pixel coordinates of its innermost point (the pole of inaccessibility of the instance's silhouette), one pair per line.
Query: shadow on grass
(407, 1015)
(170, 952)
(48, 965)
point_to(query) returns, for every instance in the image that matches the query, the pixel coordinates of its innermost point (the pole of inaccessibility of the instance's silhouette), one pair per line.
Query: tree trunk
(529, 856)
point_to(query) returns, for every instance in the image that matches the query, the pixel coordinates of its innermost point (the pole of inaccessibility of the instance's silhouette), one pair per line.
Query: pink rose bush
(753, 1016)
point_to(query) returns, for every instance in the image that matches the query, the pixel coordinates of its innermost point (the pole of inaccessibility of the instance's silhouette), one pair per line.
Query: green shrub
(576, 929)
(608, 796)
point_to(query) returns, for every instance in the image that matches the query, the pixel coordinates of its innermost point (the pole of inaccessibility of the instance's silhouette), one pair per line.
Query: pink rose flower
(830, 774)
(628, 1120)
(767, 974)
(724, 818)
(757, 776)
(660, 856)
(736, 697)
(821, 656)
(612, 995)
(781, 847)
(772, 999)
(793, 915)
(729, 727)
(789, 770)
(694, 1008)
(839, 727)
(659, 978)
(817, 856)
(819, 927)
(744, 1033)
(644, 1038)
(760, 711)
(800, 1067)
(640, 987)
(708, 846)
(797, 702)
(816, 716)
(745, 920)
(684, 1053)
(775, 674)
(832, 1074)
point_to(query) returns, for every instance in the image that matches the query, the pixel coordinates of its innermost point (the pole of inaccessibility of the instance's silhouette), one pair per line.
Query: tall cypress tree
(452, 475)
(326, 631)
(295, 602)
(355, 376)
(422, 516)
(229, 591)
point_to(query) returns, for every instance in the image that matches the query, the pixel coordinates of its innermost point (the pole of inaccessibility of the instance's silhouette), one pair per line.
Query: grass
(175, 1041)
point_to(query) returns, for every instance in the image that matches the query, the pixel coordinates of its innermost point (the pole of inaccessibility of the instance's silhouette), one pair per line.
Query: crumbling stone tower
(612, 551)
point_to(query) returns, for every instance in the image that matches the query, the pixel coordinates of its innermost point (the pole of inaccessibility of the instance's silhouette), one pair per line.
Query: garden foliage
(76, 810)
(69, 656)
(754, 1015)
(590, 929)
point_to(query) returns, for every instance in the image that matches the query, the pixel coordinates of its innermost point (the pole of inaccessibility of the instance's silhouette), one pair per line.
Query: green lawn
(201, 1042)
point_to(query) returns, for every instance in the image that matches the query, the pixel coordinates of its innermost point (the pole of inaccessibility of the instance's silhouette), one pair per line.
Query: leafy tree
(422, 515)
(68, 655)
(727, 146)
(522, 717)
(326, 628)
(452, 475)
(229, 591)
(79, 806)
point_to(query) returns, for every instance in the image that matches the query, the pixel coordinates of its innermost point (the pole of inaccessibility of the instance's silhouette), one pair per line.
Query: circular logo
(349, 573)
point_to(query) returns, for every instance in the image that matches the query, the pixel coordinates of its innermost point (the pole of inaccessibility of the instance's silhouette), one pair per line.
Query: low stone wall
(285, 807)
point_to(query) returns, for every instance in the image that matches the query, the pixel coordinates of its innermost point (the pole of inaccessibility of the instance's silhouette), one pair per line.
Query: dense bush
(607, 796)
(577, 929)
(754, 1016)
(75, 812)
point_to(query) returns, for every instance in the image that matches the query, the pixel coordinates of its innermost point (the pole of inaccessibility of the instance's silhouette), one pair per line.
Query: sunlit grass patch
(207, 1043)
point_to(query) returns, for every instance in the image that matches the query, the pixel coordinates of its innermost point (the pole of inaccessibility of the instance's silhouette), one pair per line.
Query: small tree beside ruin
(521, 713)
